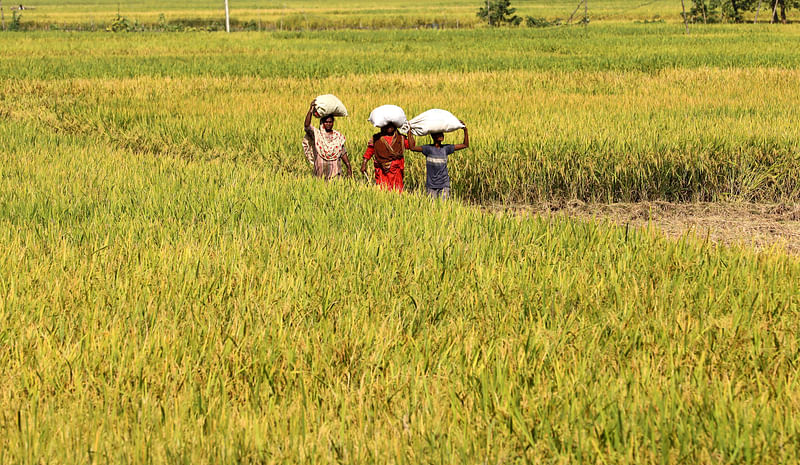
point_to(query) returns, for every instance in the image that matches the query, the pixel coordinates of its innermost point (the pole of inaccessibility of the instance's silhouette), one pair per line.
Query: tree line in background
(500, 12)
(730, 11)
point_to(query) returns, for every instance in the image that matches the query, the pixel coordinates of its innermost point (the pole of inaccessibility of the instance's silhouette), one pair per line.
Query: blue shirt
(436, 165)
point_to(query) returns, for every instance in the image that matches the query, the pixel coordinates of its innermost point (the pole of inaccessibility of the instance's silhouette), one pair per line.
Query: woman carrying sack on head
(324, 148)
(388, 147)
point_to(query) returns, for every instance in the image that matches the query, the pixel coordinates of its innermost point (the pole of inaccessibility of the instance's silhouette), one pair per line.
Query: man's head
(437, 137)
(389, 129)
(327, 122)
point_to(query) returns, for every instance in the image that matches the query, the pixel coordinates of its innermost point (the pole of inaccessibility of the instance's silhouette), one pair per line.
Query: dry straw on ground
(759, 226)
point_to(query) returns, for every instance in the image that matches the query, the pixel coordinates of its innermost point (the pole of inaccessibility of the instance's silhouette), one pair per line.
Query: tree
(499, 12)
(720, 11)
(730, 11)
(703, 11)
(779, 7)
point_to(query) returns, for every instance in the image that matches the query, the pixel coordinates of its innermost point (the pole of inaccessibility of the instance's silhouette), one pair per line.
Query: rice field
(176, 288)
(162, 310)
(612, 114)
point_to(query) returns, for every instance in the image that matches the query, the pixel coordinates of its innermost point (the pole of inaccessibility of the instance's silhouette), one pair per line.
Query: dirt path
(755, 225)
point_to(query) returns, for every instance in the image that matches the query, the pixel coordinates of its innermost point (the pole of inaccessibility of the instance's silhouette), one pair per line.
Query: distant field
(305, 14)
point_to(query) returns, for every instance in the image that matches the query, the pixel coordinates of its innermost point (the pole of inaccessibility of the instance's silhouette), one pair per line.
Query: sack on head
(433, 121)
(386, 115)
(328, 104)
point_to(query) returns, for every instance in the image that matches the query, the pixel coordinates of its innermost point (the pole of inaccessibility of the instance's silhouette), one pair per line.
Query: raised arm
(464, 144)
(307, 124)
(412, 144)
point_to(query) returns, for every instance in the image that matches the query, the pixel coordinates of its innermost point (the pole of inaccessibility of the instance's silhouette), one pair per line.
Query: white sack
(432, 121)
(328, 104)
(388, 114)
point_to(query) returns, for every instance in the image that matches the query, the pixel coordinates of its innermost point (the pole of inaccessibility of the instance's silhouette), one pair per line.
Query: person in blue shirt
(437, 180)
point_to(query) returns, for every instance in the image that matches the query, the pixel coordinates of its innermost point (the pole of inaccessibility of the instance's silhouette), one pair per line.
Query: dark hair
(322, 120)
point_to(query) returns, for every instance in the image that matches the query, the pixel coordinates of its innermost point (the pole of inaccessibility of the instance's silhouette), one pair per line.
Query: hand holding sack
(328, 104)
(388, 114)
(433, 121)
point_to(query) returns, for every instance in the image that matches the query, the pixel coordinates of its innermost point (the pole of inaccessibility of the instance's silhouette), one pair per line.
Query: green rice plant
(316, 55)
(693, 133)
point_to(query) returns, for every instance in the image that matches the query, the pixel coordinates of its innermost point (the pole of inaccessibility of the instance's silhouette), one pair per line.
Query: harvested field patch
(760, 226)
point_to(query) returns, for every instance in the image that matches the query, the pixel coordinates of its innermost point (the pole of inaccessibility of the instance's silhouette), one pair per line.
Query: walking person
(324, 147)
(387, 148)
(437, 179)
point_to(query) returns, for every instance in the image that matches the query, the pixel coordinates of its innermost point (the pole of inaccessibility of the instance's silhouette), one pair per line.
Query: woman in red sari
(387, 148)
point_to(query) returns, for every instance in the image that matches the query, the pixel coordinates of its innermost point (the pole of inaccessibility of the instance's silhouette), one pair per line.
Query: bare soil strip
(759, 226)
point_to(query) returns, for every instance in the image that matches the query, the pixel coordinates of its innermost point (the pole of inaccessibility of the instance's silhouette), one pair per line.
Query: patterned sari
(324, 151)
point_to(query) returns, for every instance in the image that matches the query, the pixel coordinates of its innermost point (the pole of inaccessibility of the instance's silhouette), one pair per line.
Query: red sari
(389, 161)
